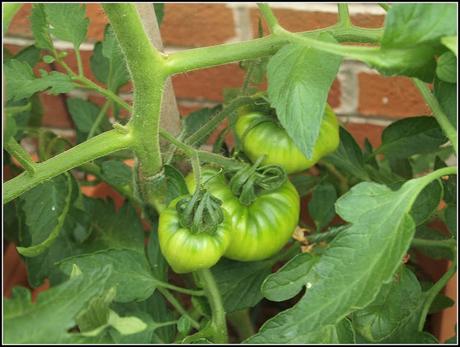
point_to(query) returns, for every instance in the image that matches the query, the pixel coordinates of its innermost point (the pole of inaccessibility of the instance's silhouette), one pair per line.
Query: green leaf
(196, 119)
(131, 273)
(348, 156)
(404, 27)
(427, 202)
(116, 172)
(299, 79)
(48, 320)
(98, 227)
(289, 280)
(321, 206)
(68, 22)
(159, 11)
(393, 304)
(39, 27)
(98, 316)
(239, 282)
(46, 207)
(157, 262)
(304, 183)
(436, 252)
(175, 182)
(356, 263)
(84, 114)
(440, 303)
(153, 312)
(401, 167)
(446, 69)
(451, 43)
(450, 215)
(29, 55)
(107, 62)
(409, 136)
(184, 325)
(22, 82)
(446, 94)
(422, 163)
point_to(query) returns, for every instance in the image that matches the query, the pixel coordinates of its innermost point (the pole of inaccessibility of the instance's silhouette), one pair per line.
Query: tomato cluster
(249, 231)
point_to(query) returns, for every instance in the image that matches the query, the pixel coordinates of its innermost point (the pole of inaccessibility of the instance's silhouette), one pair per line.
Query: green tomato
(187, 251)
(261, 229)
(270, 139)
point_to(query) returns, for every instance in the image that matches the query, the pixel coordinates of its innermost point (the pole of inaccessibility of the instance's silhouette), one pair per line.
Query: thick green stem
(98, 146)
(218, 322)
(18, 152)
(438, 113)
(198, 58)
(241, 322)
(344, 16)
(269, 17)
(435, 289)
(205, 156)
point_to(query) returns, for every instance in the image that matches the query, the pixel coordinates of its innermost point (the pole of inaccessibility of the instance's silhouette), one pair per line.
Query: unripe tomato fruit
(186, 251)
(261, 229)
(270, 139)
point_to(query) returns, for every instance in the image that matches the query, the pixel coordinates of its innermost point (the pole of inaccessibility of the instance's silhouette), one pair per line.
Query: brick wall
(365, 101)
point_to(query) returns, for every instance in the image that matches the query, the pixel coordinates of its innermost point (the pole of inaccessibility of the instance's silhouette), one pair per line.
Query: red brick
(368, 20)
(207, 84)
(362, 131)
(334, 94)
(394, 97)
(195, 25)
(55, 113)
(295, 21)
(20, 25)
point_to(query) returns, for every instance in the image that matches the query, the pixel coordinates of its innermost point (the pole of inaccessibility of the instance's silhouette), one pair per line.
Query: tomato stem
(218, 321)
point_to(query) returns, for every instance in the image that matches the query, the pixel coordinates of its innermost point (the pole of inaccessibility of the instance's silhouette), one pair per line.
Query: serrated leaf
(130, 276)
(446, 68)
(427, 202)
(116, 172)
(196, 119)
(403, 27)
(409, 136)
(102, 228)
(239, 282)
(289, 280)
(48, 320)
(442, 251)
(152, 311)
(348, 156)
(304, 183)
(451, 43)
(157, 262)
(107, 62)
(446, 94)
(175, 182)
(321, 205)
(29, 55)
(393, 303)
(299, 79)
(46, 207)
(355, 265)
(84, 114)
(39, 27)
(67, 22)
(22, 83)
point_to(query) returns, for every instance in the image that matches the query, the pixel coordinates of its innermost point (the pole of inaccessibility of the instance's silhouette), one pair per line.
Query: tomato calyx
(251, 181)
(200, 212)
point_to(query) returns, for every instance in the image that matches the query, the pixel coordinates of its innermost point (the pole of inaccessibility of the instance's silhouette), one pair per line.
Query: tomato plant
(205, 240)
